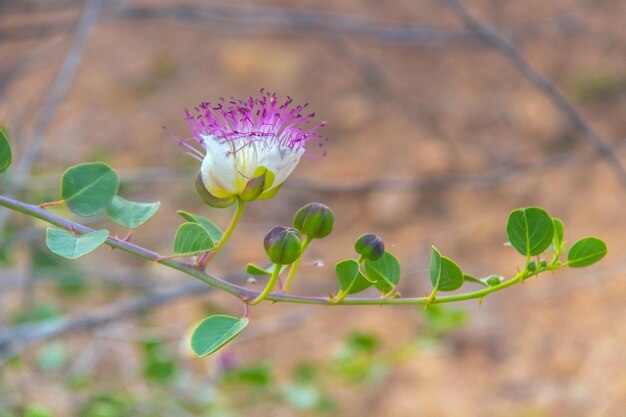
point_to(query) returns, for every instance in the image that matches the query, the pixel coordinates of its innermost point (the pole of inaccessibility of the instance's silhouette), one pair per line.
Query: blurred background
(442, 117)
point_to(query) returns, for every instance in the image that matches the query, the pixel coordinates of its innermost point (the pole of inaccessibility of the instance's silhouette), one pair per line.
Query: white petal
(281, 161)
(219, 167)
(247, 162)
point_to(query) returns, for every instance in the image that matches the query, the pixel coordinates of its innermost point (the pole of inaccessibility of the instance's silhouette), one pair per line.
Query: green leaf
(586, 252)
(129, 213)
(214, 231)
(445, 275)
(385, 272)
(351, 280)
(158, 362)
(440, 319)
(256, 270)
(257, 376)
(530, 230)
(89, 188)
(6, 157)
(559, 230)
(52, 357)
(192, 238)
(214, 332)
(65, 244)
(36, 411)
(558, 244)
(302, 397)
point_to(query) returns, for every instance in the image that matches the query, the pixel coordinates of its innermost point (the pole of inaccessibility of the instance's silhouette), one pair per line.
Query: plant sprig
(90, 189)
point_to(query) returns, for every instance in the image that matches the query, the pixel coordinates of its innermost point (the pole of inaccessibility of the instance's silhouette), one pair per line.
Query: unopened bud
(370, 246)
(314, 220)
(283, 245)
(493, 280)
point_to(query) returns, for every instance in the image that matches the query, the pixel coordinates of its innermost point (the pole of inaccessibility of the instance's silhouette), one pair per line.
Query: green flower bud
(532, 266)
(314, 220)
(493, 280)
(209, 199)
(370, 246)
(283, 245)
(543, 263)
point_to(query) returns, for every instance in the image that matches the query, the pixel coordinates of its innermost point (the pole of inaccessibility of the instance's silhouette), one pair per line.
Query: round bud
(493, 280)
(370, 246)
(314, 220)
(283, 245)
(532, 266)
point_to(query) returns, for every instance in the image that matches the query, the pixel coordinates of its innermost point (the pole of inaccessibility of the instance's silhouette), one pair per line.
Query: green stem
(269, 287)
(248, 294)
(294, 266)
(208, 256)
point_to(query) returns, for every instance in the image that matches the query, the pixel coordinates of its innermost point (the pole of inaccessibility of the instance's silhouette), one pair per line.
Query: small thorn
(128, 236)
(51, 203)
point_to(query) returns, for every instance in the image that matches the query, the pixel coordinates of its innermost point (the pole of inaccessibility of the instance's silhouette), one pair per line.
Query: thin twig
(493, 38)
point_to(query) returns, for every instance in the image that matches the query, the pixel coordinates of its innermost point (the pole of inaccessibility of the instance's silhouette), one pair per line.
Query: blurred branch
(25, 63)
(31, 6)
(485, 180)
(240, 19)
(381, 85)
(18, 339)
(54, 97)
(49, 107)
(57, 91)
(508, 49)
(479, 181)
(33, 31)
(15, 340)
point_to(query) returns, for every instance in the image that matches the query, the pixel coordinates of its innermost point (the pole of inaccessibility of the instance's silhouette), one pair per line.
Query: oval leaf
(129, 213)
(89, 188)
(212, 229)
(350, 278)
(192, 238)
(6, 156)
(385, 272)
(65, 244)
(586, 252)
(214, 332)
(530, 230)
(445, 274)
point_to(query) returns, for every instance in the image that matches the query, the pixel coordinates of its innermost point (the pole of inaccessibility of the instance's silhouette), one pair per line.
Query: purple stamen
(253, 120)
